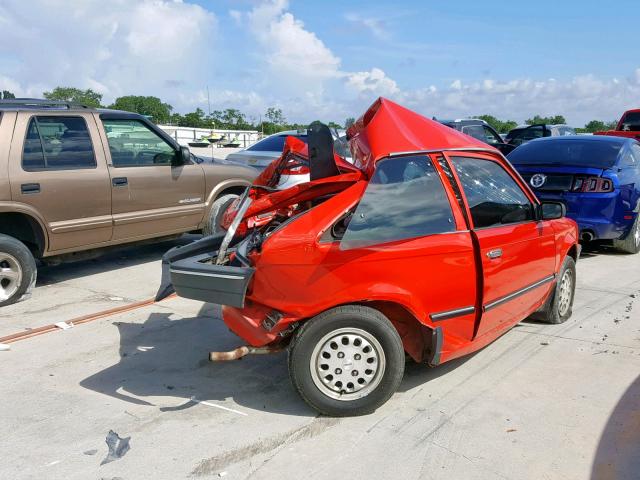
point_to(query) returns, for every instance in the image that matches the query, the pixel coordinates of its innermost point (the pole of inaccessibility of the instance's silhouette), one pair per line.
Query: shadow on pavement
(169, 358)
(114, 258)
(618, 453)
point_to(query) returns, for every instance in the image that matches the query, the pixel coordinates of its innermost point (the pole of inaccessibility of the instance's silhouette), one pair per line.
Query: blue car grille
(557, 183)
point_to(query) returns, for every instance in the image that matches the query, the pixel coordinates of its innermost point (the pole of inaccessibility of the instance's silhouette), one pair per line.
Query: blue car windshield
(579, 153)
(274, 143)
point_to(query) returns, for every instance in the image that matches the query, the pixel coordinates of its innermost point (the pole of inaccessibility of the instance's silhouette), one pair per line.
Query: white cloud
(372, 83)
(122, 47)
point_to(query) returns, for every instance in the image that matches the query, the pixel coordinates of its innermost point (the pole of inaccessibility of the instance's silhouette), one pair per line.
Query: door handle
(119, 181)
(495, 253)
(30, 188)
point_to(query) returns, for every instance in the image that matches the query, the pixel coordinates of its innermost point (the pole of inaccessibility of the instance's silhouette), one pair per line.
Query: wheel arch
(419, 340)
(26, 228)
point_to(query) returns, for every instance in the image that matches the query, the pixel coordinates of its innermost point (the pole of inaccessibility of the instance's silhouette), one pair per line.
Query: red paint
(619, 132)
(300, 275)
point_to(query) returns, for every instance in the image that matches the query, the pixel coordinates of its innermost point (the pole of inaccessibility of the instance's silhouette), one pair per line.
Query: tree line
(272, 121)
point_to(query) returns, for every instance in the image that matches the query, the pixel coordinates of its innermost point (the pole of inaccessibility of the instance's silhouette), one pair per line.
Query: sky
(331, 59)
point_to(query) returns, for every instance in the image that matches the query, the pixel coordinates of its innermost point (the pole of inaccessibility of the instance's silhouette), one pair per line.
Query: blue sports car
(596, 177)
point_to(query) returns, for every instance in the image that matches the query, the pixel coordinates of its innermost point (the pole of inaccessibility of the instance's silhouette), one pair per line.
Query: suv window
(133, 144)
(492, 138)
(404, 199)
(57, 143)
(494, 197)
(475, 131)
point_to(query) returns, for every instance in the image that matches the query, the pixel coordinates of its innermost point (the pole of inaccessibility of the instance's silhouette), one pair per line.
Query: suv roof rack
(40, 103)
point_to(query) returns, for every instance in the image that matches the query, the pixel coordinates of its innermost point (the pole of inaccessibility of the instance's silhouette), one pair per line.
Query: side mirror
(183, 157)
(552, 210)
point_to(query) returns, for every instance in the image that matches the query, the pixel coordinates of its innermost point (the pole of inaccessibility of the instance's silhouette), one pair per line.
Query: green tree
(499, 125)
(558, 119)
(349, 121)
(195, 120)
(151, 106)
(71, 94)
(7, 95)
(598, 126)
(275, 116)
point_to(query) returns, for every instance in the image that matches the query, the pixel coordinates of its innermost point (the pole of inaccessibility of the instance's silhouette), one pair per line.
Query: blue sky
(331, 59)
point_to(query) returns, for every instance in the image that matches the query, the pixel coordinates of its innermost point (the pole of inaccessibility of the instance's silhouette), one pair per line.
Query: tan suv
(77, 179)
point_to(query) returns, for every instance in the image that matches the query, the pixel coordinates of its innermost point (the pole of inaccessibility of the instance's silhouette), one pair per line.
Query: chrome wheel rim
(10, 276)
(566, 289)
(636, 234)
(347, 364)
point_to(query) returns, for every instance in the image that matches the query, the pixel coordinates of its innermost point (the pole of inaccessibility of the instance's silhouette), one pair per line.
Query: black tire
(356, 318)
(212, 227)
(15, 257)
(554, 310)
(631, 241)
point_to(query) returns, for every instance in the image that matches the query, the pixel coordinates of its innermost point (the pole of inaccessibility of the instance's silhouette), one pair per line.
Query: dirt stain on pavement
(219, 462)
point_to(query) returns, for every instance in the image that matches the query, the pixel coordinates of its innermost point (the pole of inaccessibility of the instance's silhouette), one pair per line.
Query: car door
(151, 195)
(58, 169)
(407, 237)
(517, 252)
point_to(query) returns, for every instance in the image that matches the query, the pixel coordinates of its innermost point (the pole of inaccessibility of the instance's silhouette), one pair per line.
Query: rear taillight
(592, 185)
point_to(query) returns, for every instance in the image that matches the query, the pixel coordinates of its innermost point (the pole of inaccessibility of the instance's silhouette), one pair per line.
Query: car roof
(387, 128)
(584, 138)
(464, 121)
(548, 125)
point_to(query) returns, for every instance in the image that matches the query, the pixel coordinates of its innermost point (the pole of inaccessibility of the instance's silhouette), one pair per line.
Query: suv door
(517, 251)
(151, 195)
(58, 168)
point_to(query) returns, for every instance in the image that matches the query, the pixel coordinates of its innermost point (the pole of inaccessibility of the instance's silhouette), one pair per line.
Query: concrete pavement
(543, 401)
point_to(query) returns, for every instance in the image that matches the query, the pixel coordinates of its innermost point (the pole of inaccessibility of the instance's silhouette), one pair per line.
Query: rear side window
(57, 143)
(494, 197)
(274, 143)
(404, 199)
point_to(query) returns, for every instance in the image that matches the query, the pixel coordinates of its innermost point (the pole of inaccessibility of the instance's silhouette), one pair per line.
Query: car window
(134, 144)
(274, 143)
(492, 138)
(518, 137)
(475, 131)
(493, 195)
(632, 157)
(57, 143)
(597, 152)
(404, 199)
(630, 122)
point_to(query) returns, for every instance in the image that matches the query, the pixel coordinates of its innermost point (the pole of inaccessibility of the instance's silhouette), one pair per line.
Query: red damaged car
(429, 245)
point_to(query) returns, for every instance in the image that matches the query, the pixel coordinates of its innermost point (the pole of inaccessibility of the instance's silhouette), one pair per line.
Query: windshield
(582, 153)
(275, 143)
(631, 122)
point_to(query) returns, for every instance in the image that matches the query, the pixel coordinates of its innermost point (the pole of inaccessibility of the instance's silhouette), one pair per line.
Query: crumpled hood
(387, 127)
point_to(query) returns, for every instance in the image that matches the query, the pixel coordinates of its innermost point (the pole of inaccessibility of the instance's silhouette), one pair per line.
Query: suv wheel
(346, 361)
(17, 270)
(631, 242)
(558, 306)
(212, 227)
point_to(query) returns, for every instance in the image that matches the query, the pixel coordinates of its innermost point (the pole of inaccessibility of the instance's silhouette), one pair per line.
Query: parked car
(596, 177)
(478, 128)
(525, 133)
(430, 244)
(74, 179)
(628, 126)
(265, 151)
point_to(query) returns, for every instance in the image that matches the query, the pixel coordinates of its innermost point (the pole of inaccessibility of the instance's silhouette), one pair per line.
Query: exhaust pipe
(586, 236)
(240, 352)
